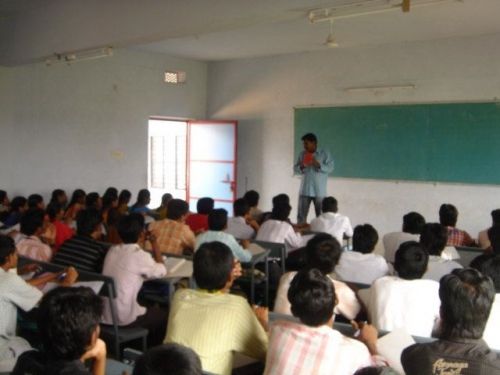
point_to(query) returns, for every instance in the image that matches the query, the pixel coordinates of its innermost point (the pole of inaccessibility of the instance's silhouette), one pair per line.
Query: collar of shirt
(239, 219)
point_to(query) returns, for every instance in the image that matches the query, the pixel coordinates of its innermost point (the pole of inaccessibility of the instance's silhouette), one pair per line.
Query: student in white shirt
(413, 223)
(129, 266)
(360, 265)
(241, 225)
(331, 222)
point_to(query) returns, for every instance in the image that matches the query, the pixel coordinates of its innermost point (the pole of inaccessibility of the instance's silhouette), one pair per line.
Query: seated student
(62, 231)
(172, 359)
(404, 301)
(31, 245)
(433, 239)
(4, 203)
(241, 225)
(482, 238)
(312, 346)
(448, 215)
(209, 320)
(172, 234)
(162, 210)
(59, 196)
(278, 200)
(93, 201)
(76, 203)
(322, 252)
(199, 222)
(361, 265)
(141, 205)
(129, 266)
(217, 223)
(35, 201)
(123, 201)
(252, 198)
(278, 228)
(83, 251)
(413, 223)
(330, 221)
(18, 207)
(466, 298)
(68, 320)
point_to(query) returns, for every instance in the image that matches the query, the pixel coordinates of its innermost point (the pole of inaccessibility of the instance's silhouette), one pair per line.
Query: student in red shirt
(199, 222)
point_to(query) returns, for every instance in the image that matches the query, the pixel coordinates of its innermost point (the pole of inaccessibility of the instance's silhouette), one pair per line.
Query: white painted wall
(262, 92)
(86, 125)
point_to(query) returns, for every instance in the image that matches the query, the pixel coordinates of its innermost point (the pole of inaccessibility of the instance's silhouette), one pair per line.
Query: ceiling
(31, 30)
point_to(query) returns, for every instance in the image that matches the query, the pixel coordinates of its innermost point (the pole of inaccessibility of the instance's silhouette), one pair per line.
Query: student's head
(109, 201)
(131, 227)
(281, 199)
(448, 215)
(19, 204)
(329, 204)
(323, 253)
(205, 205)
(309, 142)
(494, 237)
(7, 250)
(35, 201)
(111, 192)
(312, 297)
(32, 222)
(4, 200)
(143, 197)
(59, 196)
(68, 321)
(93, 200)
(165, 198)
(217, 219)
(55, 211)
(433, 238)
(410, 260)
(489, 265)
(413, 223)
(177, 209)
(124, 197)
(466, 299)
(372, 370)
(173, 359)
(88, 221)
(212, 265)
(241, 207)
(252, 198)
(78, 196)
(281, 211)
(364, 238)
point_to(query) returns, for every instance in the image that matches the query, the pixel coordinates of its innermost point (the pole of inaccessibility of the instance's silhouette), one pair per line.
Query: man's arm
(324, 162)
(298, 167)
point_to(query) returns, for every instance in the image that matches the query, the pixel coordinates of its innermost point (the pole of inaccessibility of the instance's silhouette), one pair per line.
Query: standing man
(314, 164)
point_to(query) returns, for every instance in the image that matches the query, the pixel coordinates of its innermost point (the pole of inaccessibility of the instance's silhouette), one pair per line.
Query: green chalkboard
(457, 142)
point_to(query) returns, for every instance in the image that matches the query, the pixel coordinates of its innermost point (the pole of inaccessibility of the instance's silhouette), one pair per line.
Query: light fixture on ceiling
(76, 56)
(331, 41)
(363, 7)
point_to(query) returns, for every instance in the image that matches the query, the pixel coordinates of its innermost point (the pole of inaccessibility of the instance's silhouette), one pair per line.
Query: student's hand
(71, 276)
(366, 333)
(253, 223)
(33, 267)
(97, 352)
(262, 314)
(245, 243)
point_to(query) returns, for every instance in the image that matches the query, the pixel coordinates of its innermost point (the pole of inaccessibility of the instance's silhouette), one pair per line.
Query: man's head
(32, 222)
(59, 196)
(8, 256)
(241, 207)
(312, 297)
(252, 198)
(495, 216)
(171, 359)
(78, 196)
(466, 299)
(494, 237)
(323, 253)
(19, 204)
(281, 211)
(281, 199)
(205, 205)
(217, 219)
(4, 200)
(177, 209)
(364, 238)
(411, 260)
(68, 321)
(489, 265)
(124, 196)
(143, 197)
(329, 204)
(448, 215)
(36, 201)
(433, 238)
(413, 223)
(212, 266)
(130, 228)
(88, 222)
(165, 198)
(310, 142)
(93, 200)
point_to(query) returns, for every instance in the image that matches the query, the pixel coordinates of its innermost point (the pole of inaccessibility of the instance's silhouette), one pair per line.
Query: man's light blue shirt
(239, 252)
(314, 179)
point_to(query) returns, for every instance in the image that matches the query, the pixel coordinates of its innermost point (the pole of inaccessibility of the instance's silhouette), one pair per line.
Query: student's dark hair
(372, 370)
(495, 216)
(252, 198)
(53, 208)
(364, 238)
(281, 211)
(34, 200)
(329, 204)
(17, 203)
(172, 359)
(205, 205)
(107, 201)
(67, 318)
(433, 238)
(31, 221)
(111, 192)
(7, 247)
(411, 260)
(312, 297)
(212, 265)
(466, 299)
(323, 252)
(176, 208)
(78, 196)
(124, 196)
(494, 237)
(3, 194)
(56, 193)
(241, 207)
(281, 199)
(448, 215)
(130, 228)
(165, 198)
(488, 265)
(413, 223)
(91, 200)
(309, 137)
(143, 196)
(217, 219)
(87, 221)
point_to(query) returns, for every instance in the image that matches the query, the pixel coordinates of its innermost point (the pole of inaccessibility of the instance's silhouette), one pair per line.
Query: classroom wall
(262, 92)
(85, 125)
